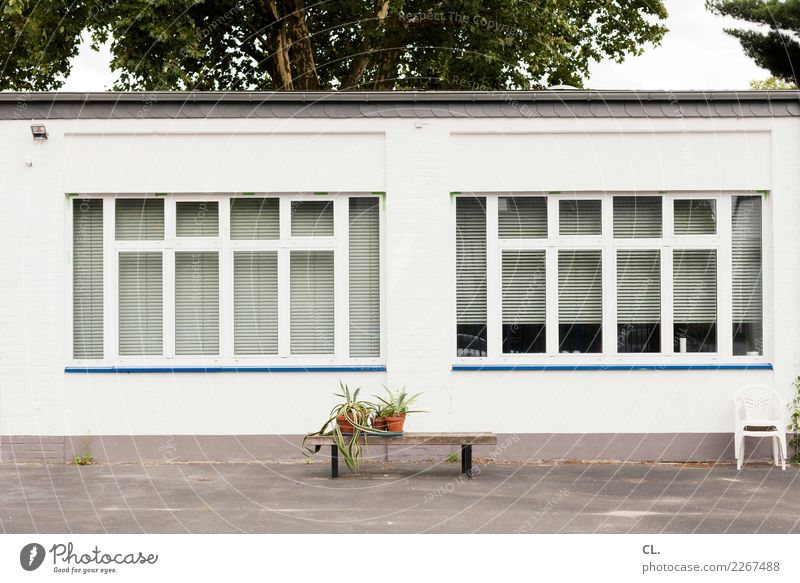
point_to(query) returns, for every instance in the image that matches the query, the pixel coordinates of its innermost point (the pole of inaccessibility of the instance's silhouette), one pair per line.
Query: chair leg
(774, 450)
(736, 439)
(782, 445)
(740, 459)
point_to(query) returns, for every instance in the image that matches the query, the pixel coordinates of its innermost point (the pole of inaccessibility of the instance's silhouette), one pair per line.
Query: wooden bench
(465, 440)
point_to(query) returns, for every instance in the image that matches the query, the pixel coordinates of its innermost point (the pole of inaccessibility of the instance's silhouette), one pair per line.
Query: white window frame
(720, 241)
(226, 247)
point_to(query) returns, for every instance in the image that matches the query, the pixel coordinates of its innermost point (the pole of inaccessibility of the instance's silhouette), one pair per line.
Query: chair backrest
(759, 403)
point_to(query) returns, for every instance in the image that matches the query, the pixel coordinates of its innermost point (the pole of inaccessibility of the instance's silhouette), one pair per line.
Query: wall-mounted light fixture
(39, 132)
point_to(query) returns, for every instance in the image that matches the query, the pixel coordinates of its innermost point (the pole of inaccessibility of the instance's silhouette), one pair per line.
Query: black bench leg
(463, 459)
(334, 461)
(468, 463)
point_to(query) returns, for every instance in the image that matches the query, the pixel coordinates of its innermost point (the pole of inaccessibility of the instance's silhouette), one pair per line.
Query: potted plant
(394, 408)
(346, 424)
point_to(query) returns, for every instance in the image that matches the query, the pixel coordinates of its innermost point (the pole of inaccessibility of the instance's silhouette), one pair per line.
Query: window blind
(87, 278)
(580, 217)
(365, 289)
(141, 304)
(522, 217)
(638, 286)
(255, 302)
(139, 219)
(196, 303)
(312, 218)
(695, 285)
(523, 287)
(637, 217)
(471, 260)
(580, 290)
(746, 247)
(311, 302)
(695, 217)
(254, 218)
(197, 218)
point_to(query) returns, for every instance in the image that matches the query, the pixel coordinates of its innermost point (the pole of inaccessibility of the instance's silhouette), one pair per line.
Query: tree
(776, 49)
(771, 84)
(327, 44)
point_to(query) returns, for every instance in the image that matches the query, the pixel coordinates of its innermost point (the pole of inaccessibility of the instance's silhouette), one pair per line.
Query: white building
(190, 276)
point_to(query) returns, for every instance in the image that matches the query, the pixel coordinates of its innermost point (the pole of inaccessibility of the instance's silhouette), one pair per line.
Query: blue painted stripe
(176, 369)
(578, 367)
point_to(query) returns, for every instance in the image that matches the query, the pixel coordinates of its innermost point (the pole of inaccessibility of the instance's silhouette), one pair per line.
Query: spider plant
(356, 413)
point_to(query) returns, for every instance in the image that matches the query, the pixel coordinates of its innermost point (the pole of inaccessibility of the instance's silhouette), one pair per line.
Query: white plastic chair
(759, 412)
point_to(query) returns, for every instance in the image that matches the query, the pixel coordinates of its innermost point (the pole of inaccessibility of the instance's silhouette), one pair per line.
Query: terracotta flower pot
(395, 424)
(344, 425)
(379, 423)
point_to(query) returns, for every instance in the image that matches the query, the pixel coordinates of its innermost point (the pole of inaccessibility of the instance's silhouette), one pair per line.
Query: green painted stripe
(662, 192)
(248, 194)
(764, 193)
(73, 194)
(321, 193)
(162, 194)
(554, 192)
(454, 193)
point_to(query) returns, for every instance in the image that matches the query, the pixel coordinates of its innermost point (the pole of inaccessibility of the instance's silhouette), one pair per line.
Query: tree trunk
(303, 67)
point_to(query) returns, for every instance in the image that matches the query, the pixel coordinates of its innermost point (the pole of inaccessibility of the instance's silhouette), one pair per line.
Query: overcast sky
(695, 54)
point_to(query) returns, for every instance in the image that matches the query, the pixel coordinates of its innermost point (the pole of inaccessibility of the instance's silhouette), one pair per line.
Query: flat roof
(566, 103)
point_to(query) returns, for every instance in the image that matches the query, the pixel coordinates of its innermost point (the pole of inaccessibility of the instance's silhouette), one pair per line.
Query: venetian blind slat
(255, 302)
(364, 251)
(312, 218)
(695, 217)
(311, 298)
(87, 278)
(523, 287)
(139, 219)
(637, 217)
(638, 286)
(580, 217)
(522, 217)
(197, 303)
(254, 219)
(141, 304)
(197, 218)
(695, 285)
(580, 287)
(746, 255)
(471, 260)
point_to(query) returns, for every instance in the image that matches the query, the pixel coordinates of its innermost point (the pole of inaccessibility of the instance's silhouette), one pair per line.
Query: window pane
(312, 218)
(580, 301)
(523, 301)
(197, 219)
(522, 217)
(254, 218)
(311, 299)
(365, 277)
(638, 301)
(87, 278)
(695, 217)
(637, 217)
(255, 302)
(196, 303)
(139, 219)
(695, 300)
(471, 276)
(747, 292)
(141, 304)
(580, 217)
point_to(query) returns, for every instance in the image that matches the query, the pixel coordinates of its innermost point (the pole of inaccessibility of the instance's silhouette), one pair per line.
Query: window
(471, 276)
(279, 263)
(748, 333)
(87, 278)
(638, 301)
(580, 301)
(615, 278)
(695, 300)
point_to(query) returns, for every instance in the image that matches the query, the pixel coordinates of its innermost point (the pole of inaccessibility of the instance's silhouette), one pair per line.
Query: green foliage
(85, 458)
(770, 84)
(775, 47)
(452, 458)
(346, 44)
(794, 425)
(355, 411)
(396, 403)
